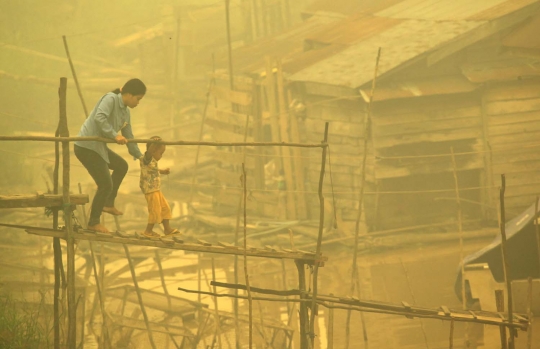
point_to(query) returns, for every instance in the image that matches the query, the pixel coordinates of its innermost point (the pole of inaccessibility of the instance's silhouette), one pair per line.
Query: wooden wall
(513, 114)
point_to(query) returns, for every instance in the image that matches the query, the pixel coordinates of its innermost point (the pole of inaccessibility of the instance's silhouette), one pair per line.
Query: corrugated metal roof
(439, 9)
(354, 66)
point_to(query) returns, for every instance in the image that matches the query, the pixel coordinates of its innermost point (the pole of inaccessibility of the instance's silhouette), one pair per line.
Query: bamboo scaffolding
(246, 275)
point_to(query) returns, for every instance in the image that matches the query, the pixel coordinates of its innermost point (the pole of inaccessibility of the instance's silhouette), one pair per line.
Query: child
(158, 208)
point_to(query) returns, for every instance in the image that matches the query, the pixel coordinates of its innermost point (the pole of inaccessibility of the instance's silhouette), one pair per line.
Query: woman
(110, 116)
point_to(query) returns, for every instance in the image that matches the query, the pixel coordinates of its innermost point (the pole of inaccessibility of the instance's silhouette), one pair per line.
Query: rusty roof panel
(439, 9)
(354, 66)
(352, 29)
(419, 88)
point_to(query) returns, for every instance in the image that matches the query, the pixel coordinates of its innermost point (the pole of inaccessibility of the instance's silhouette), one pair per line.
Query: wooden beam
(40, 200)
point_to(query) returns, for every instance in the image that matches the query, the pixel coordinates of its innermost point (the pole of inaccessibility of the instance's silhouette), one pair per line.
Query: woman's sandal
(172, 232)
(151, 234)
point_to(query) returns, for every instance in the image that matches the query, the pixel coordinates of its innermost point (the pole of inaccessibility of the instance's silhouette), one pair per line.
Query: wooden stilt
(451, 339)
(507, 277)
(305, 341)
(246, 275)
(56, 246)
(529, 312)
(499, 299)
(330, 334)
(64, 132)
(236, 240)
(460, 229)
(216, 309)
(139, 296)
(319, 240)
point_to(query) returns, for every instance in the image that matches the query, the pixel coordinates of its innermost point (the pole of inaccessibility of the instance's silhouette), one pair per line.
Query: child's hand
(165, 171)
(120, 139)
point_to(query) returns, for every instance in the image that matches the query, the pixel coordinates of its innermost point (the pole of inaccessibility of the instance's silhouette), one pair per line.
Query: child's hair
(134, 86)
(155, 138)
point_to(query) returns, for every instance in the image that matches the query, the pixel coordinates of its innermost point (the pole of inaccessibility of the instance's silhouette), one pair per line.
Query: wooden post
(451, 339)
(537, 230)
(488, 167)
(507, 277)
(499, 299)
(75, 76)
(271, 103)
(236, 231)
(330, 334)
(460, 229)
(354, 272)
(246, 275)
(139, 296)
(286, 152)
(319, 239)
(529, 312)
(56, 242)
(64, 132)
(217, 332)
(305, 341)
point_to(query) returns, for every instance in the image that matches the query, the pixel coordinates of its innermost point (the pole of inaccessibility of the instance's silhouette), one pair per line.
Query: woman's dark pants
(107, 183)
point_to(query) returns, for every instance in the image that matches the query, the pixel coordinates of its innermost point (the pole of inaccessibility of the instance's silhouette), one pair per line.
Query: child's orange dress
(150, 183)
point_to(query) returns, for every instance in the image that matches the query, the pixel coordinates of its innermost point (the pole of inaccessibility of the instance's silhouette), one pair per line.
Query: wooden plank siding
(344, 163)
(513, 113)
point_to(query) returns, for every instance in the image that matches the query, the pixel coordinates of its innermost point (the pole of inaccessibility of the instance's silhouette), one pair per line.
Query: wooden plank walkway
(177, 243)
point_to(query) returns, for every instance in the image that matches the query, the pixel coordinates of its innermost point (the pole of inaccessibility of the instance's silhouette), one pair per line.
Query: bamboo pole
(319, 238)
(139, 296)
(460, 229)
(354, 271)
(74, 76)
(137, 140)
(507, 277)
(246, 275)
(64, 132)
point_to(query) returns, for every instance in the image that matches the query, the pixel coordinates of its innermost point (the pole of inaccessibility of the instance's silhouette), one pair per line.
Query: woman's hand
(120, 139)
(165, 171)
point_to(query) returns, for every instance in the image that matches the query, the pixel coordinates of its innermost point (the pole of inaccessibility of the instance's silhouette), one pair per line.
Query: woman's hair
(155, 138)
(134, 86)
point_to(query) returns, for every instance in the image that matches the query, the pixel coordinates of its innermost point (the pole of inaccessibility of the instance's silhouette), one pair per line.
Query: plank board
(221, 135)
(512, 106)
(236, 97)
(220, 117)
